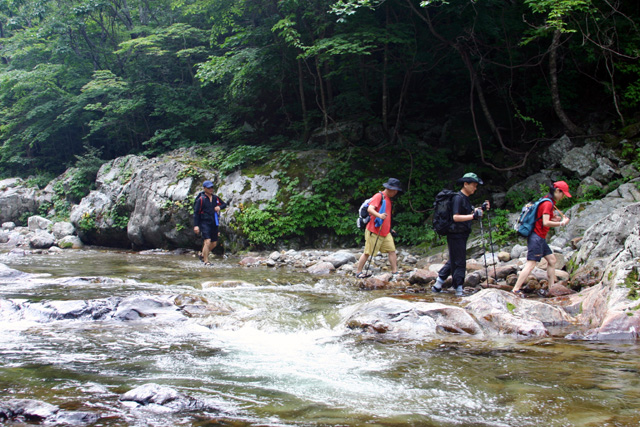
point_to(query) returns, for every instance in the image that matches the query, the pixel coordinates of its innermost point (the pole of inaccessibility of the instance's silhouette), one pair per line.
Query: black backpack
(442, 213)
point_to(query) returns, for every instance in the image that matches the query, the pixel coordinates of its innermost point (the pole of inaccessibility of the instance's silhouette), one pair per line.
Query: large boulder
(140, 201)
(414, 320)
(557, 151)
(16, 200)
(503, 313)
(581, 160)
(586, 214)
(147, 202)
(611, 249)
(605, 238)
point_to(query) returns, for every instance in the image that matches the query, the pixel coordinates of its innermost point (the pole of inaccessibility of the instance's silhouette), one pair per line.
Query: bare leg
(206, 248)
(363, 259)
(393, 260)
(551, 269)
(528, 268)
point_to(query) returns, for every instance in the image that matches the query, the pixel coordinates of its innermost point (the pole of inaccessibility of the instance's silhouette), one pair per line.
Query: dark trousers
(456, 266)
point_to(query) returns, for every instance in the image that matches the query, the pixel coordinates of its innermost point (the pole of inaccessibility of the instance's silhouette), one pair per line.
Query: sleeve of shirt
(376, 201)
(545, 207)
(196, 209)
(456, 205)
(221, 203)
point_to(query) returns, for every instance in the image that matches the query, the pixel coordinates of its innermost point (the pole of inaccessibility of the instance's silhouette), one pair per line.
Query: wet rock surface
(163, 398)
(31, 410)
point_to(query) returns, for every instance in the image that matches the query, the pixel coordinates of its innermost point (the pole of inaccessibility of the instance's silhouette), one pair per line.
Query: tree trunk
(555, 95)
(303, 102)
(385, 88)
(323, 101)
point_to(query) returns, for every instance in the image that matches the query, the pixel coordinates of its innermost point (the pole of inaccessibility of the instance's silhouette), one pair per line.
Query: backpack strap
(538, 218)
(201, 200)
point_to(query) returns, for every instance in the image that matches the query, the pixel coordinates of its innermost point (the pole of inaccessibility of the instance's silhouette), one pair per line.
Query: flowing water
(283, 357)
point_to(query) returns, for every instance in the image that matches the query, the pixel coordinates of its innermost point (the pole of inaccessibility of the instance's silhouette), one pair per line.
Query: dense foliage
(127, 76)
(433, 84)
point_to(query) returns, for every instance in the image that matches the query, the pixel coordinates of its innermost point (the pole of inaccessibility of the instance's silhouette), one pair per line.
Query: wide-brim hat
(470, 177)
(393, 184)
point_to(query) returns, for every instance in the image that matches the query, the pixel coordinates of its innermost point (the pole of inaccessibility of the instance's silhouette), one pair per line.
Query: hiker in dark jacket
(463, 214)
(206, 214)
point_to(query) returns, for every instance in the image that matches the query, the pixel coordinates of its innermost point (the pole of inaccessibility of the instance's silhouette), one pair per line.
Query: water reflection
(283, 356)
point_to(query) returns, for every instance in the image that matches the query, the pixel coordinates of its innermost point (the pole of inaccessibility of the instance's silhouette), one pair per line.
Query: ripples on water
(284, 357)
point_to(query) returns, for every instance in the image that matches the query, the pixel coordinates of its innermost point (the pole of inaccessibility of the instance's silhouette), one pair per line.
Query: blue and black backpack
(528, 217)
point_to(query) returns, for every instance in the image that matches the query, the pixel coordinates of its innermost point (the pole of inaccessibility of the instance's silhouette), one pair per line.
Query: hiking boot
(394, 277)
(459, 291)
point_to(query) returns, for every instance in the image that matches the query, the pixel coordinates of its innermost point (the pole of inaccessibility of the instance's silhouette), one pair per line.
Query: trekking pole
(495, 275)
(373, 252)
(484, 247)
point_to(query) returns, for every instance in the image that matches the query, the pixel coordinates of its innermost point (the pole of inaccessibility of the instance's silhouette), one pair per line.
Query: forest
(400, 88)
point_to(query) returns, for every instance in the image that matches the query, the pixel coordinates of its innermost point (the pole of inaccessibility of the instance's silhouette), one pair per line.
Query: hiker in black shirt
(206, 214)
(463, 213)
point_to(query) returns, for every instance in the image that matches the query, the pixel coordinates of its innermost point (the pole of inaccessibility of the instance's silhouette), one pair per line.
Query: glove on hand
(477, 213)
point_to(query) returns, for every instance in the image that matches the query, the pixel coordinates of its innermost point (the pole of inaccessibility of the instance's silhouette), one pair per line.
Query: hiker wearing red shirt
(378, 236)
(537, 247)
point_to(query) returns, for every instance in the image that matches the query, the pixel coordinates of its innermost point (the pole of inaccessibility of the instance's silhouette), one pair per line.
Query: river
(283, 357)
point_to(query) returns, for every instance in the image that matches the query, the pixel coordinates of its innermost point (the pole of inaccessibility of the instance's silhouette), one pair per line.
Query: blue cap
(207, 184)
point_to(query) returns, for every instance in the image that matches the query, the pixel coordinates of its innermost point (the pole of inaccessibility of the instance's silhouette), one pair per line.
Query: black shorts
(209, 231)
(537, 248)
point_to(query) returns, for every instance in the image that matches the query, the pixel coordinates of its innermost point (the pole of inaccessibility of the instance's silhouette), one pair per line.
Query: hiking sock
(438, 286)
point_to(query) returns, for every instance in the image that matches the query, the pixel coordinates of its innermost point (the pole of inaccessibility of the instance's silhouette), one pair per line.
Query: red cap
(562, 186)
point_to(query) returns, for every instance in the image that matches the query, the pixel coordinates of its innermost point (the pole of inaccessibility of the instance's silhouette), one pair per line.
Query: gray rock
(584, 215)
(629, 172)
(4, 237)
(34, 410)
(340, 258)
(321, 268)
(588, 185)
(16, 200)
(70, 242)
(76, 418)
(139, 307)
(533, 184)
(163, 396)
(63, 229)
(505, 314)
(498, 200)
(556, 151)
(605, 170)
(42, 240)
(581, 160)
(413, 320)
(517, 251)
(8, 226)
(605, 238)
(39, 223)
